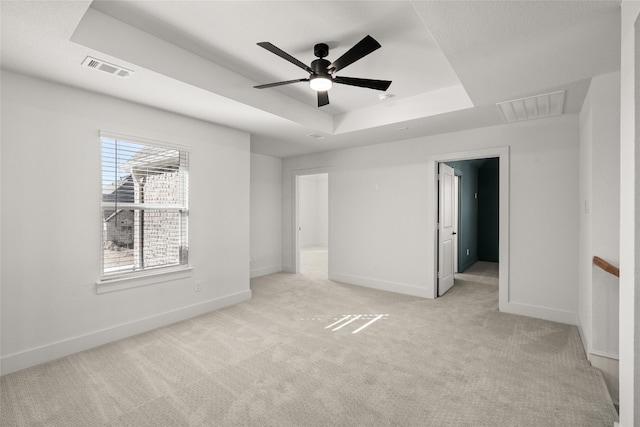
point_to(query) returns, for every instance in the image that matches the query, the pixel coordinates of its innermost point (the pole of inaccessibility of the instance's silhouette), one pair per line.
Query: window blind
(145, 210)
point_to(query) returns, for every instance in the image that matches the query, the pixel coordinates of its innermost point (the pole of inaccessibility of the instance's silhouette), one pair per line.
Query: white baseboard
(605, 354)
(586, 343)
(399, 288)
(35, 356)
(287, 269)
(257, 272)
(610, 369)
(545, 313)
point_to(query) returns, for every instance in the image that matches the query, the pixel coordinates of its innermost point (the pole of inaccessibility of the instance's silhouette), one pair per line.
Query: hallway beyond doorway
(480, 272)
(314, 262)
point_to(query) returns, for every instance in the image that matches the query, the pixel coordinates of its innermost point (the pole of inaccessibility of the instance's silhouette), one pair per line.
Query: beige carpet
(480, 272)
(272, 361)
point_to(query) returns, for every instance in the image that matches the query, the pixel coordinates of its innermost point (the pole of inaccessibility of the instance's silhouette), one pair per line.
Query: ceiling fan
(321, 72)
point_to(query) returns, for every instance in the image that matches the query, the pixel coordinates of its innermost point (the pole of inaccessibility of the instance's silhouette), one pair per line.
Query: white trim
(432, 216)
(257, 272)
(130, 138)
(586, 344)
(144, 278)
(287, 269)
(25, 359)
(399, 288)
(545, 313)
(609, 368)
(605, 355)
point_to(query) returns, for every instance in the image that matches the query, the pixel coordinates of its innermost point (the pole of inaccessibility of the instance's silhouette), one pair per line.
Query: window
(145, 192)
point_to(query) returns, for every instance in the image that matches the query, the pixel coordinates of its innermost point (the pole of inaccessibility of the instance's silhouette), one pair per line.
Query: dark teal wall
(488, 216)
(468, 213)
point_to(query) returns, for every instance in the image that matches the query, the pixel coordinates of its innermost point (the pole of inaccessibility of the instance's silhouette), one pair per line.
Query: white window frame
(152, 275)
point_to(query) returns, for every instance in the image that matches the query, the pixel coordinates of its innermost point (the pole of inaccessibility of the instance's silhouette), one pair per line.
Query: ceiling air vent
(534, 107)
(107, 67)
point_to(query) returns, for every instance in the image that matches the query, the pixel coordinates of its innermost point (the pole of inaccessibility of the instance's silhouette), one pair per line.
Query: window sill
(152, 278)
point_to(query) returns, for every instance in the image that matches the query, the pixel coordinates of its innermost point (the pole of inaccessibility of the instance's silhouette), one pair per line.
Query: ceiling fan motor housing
(321, 50)
(320, 67)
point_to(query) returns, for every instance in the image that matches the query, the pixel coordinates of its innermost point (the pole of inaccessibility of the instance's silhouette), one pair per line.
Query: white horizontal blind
(145, 194)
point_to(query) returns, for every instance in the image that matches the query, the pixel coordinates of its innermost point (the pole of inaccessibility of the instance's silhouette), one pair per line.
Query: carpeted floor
(313, 262)
(277, 361)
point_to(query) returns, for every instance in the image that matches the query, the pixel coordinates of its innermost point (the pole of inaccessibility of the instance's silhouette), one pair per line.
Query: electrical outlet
(375, 267)
(198, 288)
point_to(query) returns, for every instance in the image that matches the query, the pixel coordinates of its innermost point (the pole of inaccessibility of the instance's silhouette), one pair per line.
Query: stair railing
(606, 266)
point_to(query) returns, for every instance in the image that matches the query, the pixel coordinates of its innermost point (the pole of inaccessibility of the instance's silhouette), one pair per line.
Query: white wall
(313, 210)
(585, 296)
(378, 203)
(51, 221)
(606, 210)
(308, 210)
(323, 210)
(629, 217)
(600, 222)
(266, 215)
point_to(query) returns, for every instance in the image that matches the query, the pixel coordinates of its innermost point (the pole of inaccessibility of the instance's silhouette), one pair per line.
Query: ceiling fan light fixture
(322, 72)
(320, 83)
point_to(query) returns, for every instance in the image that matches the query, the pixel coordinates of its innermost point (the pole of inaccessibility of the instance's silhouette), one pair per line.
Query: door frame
(432, 216)
(296, 214)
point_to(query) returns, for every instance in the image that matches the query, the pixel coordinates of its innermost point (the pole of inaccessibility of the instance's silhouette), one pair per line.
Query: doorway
(312, 225)
(502, 154)
(477, 218)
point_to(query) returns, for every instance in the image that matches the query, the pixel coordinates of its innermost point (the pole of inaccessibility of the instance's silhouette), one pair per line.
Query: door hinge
(438, 275)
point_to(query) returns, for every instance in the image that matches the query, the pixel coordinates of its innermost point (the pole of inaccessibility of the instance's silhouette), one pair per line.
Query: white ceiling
(450, 61)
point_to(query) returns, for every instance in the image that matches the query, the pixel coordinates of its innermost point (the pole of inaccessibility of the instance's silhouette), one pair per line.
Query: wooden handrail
(606, 266)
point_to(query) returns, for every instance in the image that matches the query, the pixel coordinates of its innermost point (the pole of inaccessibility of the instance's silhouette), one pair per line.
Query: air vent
(535, 107)
(107, 67)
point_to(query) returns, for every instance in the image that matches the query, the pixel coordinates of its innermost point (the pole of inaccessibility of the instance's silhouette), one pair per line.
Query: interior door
(446, 222)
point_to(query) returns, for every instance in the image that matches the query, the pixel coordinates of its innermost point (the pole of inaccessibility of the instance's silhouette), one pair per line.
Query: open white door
(446, 221)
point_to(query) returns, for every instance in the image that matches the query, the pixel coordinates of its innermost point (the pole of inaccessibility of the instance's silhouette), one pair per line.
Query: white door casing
(297, 226)
(502, 153)
(446, 222)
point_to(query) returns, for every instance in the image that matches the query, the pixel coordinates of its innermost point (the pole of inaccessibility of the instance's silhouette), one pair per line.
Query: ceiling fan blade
(323, 98)
(265, 86)
(363, 48)
(369, 83)
(284, 55)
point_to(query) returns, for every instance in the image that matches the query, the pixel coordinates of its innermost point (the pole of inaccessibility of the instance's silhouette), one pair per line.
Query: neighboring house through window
(145, 192)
